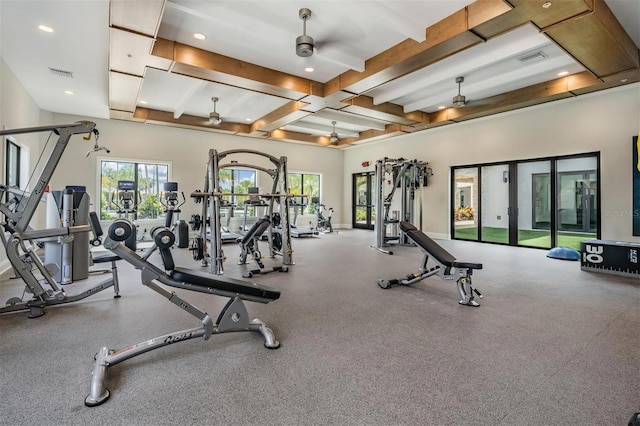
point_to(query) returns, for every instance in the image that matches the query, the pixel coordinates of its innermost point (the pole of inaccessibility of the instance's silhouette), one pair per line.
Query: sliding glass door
(494, 215)
(577, 199)
(465, 202)
(532, 203)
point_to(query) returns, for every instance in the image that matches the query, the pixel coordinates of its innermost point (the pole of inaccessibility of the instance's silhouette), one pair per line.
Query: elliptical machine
(128, 209)
(172, 210)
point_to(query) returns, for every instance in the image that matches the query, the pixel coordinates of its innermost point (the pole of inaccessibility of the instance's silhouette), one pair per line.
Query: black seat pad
(232, 285)
(434, 249)
(105, 258)
(463, 264)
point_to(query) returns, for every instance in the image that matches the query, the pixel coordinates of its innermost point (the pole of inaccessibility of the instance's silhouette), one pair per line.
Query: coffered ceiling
(380, 68)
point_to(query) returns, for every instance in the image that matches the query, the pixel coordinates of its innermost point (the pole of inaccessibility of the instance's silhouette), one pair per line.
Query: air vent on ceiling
(61, 73)
(532, 57)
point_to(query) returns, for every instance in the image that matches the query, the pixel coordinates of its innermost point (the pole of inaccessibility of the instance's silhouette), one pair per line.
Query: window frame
(310, 208)
(110, 214)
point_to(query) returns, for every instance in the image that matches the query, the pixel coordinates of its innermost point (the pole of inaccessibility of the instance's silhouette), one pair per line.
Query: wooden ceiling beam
(363, 105)
(597, 41)
(445, 38)
(154, 116)
(197, 63)
(282, 116)
(559, 88)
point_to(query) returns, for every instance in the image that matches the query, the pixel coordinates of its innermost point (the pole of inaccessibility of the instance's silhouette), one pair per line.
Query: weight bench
(232, 318)
(447, 266)
(249, 245)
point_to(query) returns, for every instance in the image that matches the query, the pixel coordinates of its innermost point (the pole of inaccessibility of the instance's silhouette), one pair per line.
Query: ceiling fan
(459, 101)
(304, 43)
(214, 116)
(333, 137)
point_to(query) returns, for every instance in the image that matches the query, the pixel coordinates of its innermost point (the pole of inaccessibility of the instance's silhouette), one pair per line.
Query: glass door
(541, 203)
(577, 200)
(465, 203)
(494, 202)
(534, 208)
(363, 193)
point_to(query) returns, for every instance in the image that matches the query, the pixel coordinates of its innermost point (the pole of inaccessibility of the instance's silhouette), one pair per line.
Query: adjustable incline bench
(446, 266)
(232, 318)
(249, 245)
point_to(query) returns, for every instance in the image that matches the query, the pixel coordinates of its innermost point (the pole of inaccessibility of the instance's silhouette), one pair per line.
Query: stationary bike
(324, 222)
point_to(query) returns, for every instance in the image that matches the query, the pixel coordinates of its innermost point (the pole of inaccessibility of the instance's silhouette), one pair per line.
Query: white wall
(603, 121)
(18, 110)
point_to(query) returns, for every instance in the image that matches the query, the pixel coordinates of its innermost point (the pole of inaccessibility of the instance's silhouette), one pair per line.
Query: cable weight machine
(393, 177)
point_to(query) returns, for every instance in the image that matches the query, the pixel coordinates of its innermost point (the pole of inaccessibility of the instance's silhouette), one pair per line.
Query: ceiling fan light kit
(304, 43)
(333, 137)
(459, 101)
(214, 116)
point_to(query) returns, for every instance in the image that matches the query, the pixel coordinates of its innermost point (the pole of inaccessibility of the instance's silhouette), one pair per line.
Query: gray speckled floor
(550, 345)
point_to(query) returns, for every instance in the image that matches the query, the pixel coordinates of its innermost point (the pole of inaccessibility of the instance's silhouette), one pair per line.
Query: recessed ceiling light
(248, 119)
(547, 5)
(441, 107)
(45, 28)
(624, 80)
(199, 36)
(143, 102)
(68, 92)
(308, 69)
(563, 73)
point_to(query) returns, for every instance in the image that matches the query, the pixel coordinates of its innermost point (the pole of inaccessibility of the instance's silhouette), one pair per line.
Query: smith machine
(212, 196)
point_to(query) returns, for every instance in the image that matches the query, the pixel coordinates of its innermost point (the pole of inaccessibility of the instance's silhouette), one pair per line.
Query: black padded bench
(435, 249)
(445, 263)
(225, 284)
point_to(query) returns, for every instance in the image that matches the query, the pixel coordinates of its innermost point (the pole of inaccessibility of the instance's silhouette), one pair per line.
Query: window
(148, 183)
(305, 184)
(237, 181)
(12, 166)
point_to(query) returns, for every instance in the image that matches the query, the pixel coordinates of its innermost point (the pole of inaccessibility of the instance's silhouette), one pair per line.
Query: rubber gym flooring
(549, 345)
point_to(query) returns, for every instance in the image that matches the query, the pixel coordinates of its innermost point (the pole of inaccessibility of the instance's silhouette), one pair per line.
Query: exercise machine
(227, 233)
(21, 242)
(232, 318)
(249, 245)
(128, 208)
(405, 177)
(298, 204)
(67, 208)
(447, 267)
(324, 224)
(172, 211)
(213, 195)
